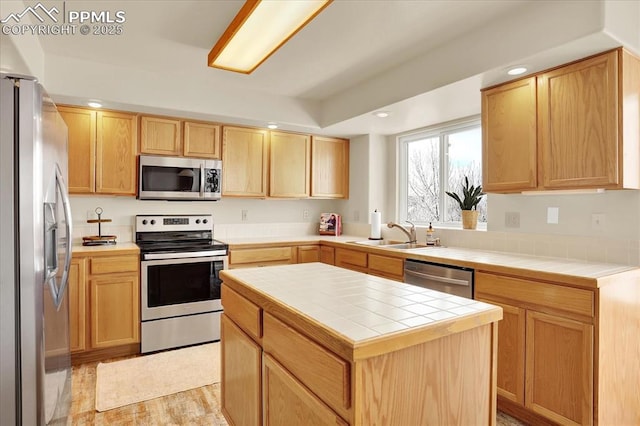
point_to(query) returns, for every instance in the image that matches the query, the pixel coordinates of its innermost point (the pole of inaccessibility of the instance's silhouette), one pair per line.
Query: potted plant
(471, 196)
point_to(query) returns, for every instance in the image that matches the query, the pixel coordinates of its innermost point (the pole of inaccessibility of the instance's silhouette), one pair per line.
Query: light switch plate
(553, 214)
(512, 219)
(598, 222)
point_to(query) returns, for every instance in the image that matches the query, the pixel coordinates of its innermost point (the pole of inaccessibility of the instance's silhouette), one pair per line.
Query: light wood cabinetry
(248, 257)
(387, 267)
(201, 140)
(241, 374)
(351, 259)
(509, 148)
(329, 167)
(545, 346)
(102, 151)
(327, 255)
(290, 165)
(584, 119)
(245, 153)
(176, 137)
(308, 254)
(160, 136)
(105, 306)
(77, 304)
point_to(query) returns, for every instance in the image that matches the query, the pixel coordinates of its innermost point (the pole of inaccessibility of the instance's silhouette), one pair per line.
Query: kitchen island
(316, 344)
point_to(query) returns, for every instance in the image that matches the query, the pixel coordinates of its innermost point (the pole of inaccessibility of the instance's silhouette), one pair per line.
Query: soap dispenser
(430, 238)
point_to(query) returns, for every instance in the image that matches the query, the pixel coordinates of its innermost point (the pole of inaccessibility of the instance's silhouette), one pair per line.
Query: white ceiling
(422, 60)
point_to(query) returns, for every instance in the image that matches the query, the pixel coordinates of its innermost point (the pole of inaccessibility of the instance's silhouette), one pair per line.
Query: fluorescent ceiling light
(94, 104)
(259, 29)
(517, 71)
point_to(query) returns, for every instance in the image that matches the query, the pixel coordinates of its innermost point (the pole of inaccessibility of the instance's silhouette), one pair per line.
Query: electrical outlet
(512, 219)
(244, 215)
(305, 214)
(598, 222)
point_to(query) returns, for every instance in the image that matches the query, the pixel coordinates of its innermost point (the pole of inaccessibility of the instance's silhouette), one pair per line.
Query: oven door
(185, 286)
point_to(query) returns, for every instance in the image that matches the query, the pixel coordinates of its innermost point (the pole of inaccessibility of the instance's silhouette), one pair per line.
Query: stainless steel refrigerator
(35, 256)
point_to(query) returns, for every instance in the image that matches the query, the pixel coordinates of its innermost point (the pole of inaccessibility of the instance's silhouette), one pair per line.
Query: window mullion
(444, 176)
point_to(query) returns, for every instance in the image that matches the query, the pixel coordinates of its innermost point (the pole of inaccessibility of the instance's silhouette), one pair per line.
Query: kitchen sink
(390, 244)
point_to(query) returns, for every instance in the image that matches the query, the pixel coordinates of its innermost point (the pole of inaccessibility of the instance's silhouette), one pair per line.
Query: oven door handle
(184, 255)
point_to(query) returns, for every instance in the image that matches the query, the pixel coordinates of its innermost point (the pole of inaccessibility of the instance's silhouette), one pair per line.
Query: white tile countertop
(355, 305)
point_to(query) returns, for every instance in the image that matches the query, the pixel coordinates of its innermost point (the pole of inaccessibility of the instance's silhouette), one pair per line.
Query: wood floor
(199, 406)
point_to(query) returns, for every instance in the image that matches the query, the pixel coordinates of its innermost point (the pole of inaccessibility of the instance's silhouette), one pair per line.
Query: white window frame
(441, 131)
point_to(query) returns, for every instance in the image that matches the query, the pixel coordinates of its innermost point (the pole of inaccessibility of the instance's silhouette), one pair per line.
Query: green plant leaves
(471, 196)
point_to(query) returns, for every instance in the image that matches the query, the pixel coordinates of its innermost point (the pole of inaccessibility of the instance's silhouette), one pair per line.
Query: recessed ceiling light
(517, 71)
(382, 114)
(272, 126)
(94, 104)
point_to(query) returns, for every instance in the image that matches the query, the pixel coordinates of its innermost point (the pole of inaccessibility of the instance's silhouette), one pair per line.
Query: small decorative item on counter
(99, 240)
(376, 225)
(471, 196)
(330, 224)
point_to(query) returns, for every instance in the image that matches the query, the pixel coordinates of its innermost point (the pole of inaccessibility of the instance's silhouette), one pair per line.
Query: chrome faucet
(411, 233)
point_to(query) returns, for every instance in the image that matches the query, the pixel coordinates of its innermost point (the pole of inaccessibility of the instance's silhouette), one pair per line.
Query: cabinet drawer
(535, 294)
(347, 258)
(388, 266)
(113, 264)
(323, 372)
(262, 255)
(242, 312)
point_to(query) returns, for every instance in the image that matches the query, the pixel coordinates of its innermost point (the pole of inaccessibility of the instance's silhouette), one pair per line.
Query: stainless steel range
(180, 283)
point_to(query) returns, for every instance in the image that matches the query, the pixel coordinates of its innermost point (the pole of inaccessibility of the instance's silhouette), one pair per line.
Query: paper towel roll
(376, 220)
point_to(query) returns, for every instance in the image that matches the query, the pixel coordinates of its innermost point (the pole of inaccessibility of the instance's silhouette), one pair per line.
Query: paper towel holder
(374, 238)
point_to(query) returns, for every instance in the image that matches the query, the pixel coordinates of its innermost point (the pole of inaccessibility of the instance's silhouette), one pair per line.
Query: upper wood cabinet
(245, 153)
(201, 140)
(290, 165)
(160, 135)
(102, 151)
(586, 131)
(329, 167)
(172, 136)
(509, 136)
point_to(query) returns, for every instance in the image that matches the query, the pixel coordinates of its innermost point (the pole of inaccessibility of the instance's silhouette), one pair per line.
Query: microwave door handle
(201, 180)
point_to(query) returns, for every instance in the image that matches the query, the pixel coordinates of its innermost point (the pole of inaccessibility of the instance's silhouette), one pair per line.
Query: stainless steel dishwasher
(447, 279)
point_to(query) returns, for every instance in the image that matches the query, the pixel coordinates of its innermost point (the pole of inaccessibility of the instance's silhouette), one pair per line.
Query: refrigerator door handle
(50, 242)
(67, 215)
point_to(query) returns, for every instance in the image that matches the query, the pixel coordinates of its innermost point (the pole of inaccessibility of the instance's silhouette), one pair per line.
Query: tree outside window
(437, 160)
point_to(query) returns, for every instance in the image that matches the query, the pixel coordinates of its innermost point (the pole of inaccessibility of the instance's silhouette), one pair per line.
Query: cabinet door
(116, 153)
(82, 148)
(201, 140)
(288, 402)
(239, 258)
(511, 352)
(290, 163)
(241, 380)
(327, 255)
(351, 259)
(308, 254)
(329, 167)
(559, 368)
(509, 137)
(115, 307)
(160, 136)
(244, 155)
(77, 304)
(387, 267)
(578, 124)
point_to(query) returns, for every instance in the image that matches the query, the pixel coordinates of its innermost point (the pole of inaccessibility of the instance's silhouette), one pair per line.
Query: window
(436, 160)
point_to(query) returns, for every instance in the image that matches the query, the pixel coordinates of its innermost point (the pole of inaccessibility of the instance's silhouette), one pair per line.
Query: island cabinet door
(288, 402)
(559, 370)
(241, 381)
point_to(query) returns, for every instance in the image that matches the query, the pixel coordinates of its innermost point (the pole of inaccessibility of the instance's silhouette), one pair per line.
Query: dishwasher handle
(437, 278)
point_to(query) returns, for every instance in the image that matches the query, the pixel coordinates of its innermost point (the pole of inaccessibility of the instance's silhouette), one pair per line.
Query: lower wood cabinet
(545, 347)
(328, 255)
(264, 256)
(104, 311)
(369, 263)
(308, 254)
(351, 259)
(241, 374)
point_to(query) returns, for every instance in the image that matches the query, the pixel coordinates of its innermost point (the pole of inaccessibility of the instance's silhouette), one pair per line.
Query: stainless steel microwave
(177, 178)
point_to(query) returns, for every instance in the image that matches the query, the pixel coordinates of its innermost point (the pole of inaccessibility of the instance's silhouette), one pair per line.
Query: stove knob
(205, 221)
(153, 221)
(198, 221)
(144, 221)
